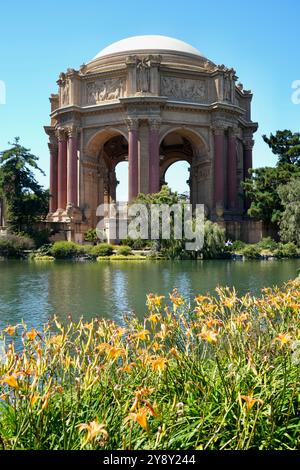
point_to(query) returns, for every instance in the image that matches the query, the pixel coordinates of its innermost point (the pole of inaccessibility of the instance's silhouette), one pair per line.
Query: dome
(148, 43)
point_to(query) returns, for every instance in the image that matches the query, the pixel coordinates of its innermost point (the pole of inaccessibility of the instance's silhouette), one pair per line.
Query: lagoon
(35, 291)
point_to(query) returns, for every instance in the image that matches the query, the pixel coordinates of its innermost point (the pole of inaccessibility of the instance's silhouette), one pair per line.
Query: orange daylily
(31, 335)
(250, 401)
(10, 380)
(94, 429)
(283, 339)
(159, 364)
(141, 417)
(10, 330)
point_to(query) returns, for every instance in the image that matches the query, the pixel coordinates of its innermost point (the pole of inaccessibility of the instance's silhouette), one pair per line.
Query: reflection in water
(33, 292)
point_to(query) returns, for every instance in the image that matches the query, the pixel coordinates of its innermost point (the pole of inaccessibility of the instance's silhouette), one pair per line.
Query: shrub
(286, 250)
(65, 250)
(214, 240)
(237, 245)
(13, 246)
(103, 249)
(267, 244)
(124, 250)
(91, 236)
(251, 252)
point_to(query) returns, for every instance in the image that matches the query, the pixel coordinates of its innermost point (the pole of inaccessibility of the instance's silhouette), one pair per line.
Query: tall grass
(222, 373)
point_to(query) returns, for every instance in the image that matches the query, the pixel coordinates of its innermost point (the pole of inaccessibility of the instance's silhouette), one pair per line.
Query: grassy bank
(222, 373)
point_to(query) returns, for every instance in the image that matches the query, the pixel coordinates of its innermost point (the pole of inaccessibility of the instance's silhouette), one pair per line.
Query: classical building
(153, 101)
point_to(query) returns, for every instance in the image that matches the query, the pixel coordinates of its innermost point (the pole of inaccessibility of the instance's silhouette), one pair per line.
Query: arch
(195, 137)
(100, 137)
(183, 183)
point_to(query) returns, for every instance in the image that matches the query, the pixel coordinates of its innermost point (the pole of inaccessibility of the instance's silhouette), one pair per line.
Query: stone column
(154, 157)
(219, 194)
(132, 159)
(247, 163)
(62, 170)
(53, 202)
(72, 172)
(232, 171)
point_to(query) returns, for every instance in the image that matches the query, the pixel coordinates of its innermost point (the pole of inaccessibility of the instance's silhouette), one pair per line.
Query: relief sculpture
(183, 89)
(105, 90)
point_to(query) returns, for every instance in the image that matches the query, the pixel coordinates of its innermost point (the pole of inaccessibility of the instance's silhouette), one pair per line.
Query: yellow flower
(154, 300)
(142, 335)
(250, 401)
(201, 298)
(153, 318)
(31, 335)
(211, 336)
(283, 339)
(10, 330)
(141, 417)
(10, 380)
(159, 364)
(114, 353)
(176, 299)
(241, 319)
(94, 430)
(34, 399)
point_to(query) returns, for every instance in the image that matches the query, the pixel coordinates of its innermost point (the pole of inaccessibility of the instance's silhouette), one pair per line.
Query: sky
(259, 39)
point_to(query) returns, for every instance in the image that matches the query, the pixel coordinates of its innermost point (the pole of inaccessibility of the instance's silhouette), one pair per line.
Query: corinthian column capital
(72, 131)
(219, 127)
(132, 124)
(155, 124)
(61, 134)
(248, 143)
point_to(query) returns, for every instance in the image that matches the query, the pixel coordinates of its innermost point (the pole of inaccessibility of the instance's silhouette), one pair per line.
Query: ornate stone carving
(184, 89)
(155, 124)
(105, 90)
(143, 75)
(132, 124)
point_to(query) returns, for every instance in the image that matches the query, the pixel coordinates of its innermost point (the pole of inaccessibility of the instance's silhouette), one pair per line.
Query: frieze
(105, 90)
(184, 89)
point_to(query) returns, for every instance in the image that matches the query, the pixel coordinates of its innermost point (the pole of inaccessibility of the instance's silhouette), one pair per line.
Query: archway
(181, 150)
(177, 177)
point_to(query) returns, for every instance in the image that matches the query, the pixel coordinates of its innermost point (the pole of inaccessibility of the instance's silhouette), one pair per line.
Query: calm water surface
(33, 292)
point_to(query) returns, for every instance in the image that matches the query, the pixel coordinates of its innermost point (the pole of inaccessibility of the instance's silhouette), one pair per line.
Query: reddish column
(248, 145)
(154, 159)
(53, 177)
(72, 172)
(62, 170)
(232, 172)
(132, 162)
(219, 169)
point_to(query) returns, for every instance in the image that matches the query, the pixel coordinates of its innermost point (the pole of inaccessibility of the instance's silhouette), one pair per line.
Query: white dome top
(150, 43)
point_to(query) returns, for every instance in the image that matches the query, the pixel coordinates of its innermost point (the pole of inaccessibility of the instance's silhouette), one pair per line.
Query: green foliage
(287, 250)
(214, 241)
(124, 250)
(103, 249)
(285, 145)
(12, 245)
(262, 189)
(236, 246)
(26, 201)
(290, 221)
(267, 243)
(251, 252)
(91, 236)
(65, 250)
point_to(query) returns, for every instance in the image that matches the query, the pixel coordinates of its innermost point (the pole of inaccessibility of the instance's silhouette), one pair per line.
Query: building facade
(151, 101)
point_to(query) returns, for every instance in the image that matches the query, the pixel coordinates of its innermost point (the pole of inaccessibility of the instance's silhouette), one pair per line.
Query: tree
(262, 189)
(290, 220)
(285, 145)
(26, 201)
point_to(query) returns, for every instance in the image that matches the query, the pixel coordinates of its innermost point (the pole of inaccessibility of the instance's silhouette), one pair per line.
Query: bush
(91, 236)
(267, 244)
(65, 250)
(237, 245)
(103, 249)
(13, 246)
(286, 250)
(251, 252)
(214, 240)
(124, 250)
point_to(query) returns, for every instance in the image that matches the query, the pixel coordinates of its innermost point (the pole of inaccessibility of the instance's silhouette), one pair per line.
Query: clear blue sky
(259, 38)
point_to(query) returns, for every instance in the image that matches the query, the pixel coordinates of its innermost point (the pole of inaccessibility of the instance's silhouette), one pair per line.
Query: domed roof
(148, 43)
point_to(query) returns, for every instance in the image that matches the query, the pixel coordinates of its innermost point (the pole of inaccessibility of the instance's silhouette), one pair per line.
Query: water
(33, 292)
